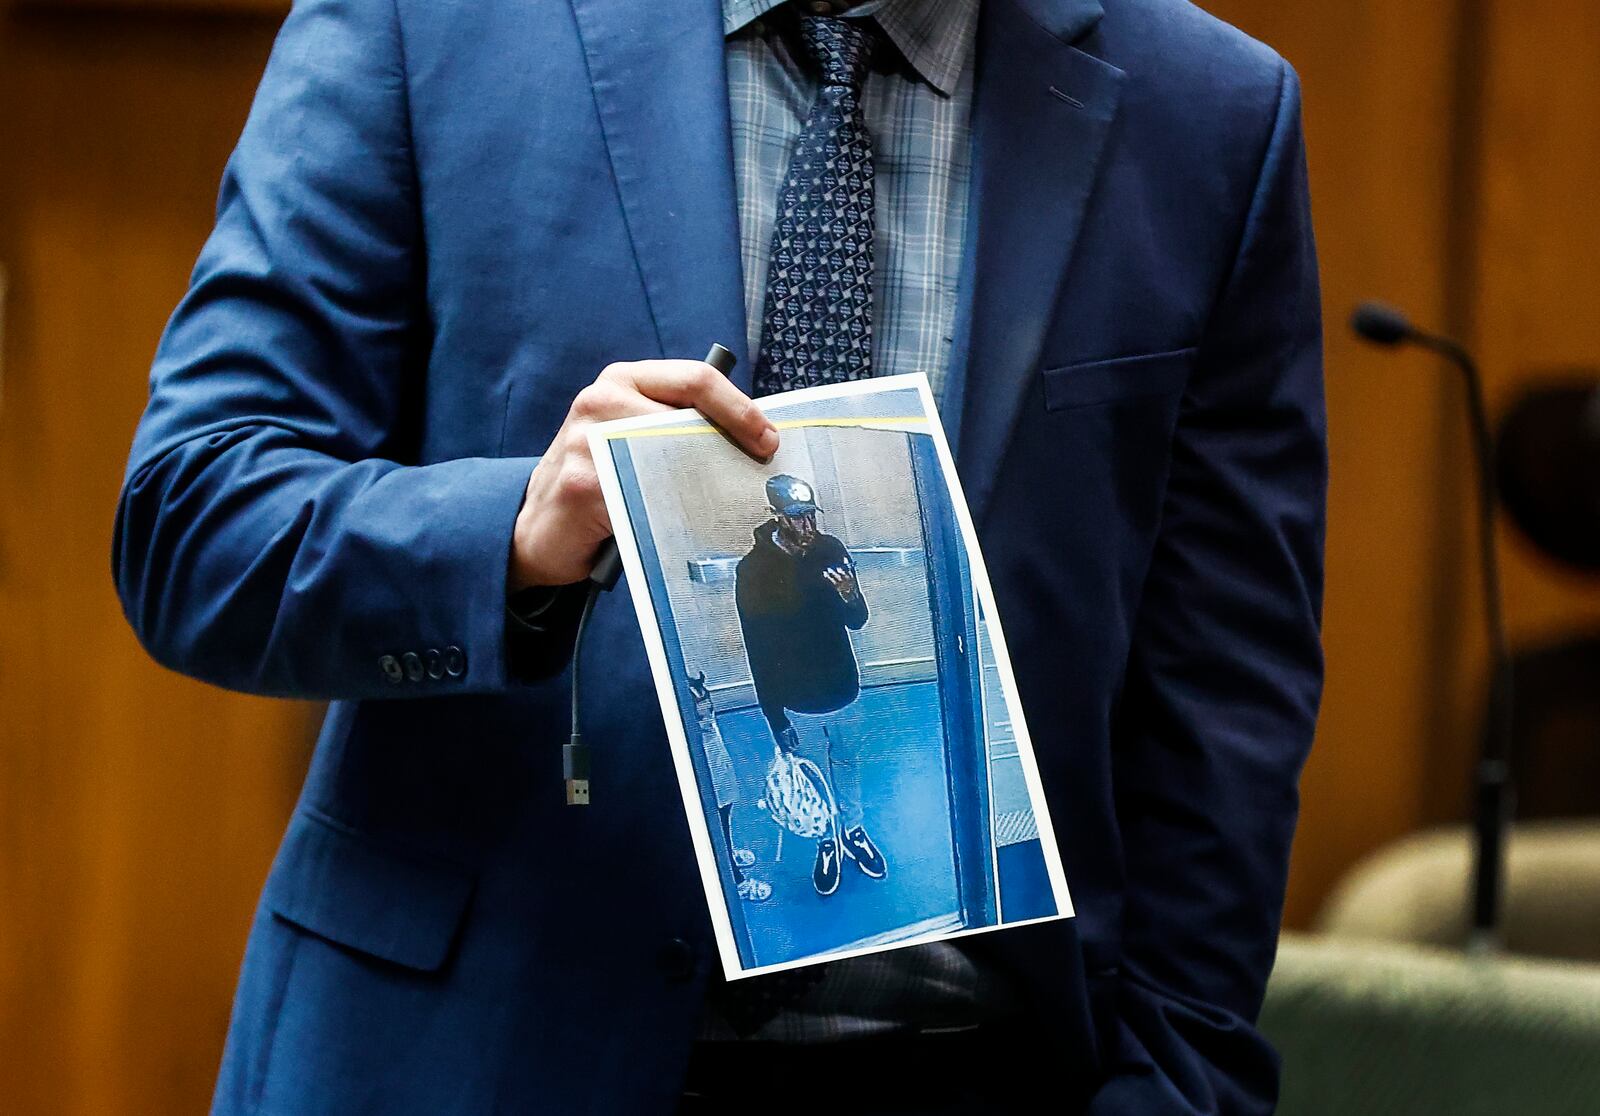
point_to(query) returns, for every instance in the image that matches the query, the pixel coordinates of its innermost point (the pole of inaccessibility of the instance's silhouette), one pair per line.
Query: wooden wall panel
(1538, 288)
(1534, 292)
(138, 810)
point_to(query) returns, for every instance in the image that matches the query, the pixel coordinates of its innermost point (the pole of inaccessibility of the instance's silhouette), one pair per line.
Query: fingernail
(769, 441)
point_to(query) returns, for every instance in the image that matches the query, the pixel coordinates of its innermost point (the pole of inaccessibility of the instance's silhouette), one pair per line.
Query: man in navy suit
(453, 236)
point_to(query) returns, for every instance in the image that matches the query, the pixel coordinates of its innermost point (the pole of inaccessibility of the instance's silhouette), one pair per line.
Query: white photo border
(601, 435)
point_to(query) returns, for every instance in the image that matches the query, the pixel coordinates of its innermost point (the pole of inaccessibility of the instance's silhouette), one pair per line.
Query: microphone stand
(1493, 790)
(1494, 794)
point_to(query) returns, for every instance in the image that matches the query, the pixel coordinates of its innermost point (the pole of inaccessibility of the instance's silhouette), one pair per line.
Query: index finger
(693, 383)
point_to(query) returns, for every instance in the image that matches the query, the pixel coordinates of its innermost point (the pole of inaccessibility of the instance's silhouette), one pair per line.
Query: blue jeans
(823, 741)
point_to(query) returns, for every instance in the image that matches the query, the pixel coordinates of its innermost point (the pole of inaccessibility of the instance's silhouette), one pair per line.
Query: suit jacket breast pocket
(1094, 382)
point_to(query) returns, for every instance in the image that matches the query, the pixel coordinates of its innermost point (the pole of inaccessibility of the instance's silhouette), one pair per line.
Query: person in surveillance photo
(799, 598)
(855, 764)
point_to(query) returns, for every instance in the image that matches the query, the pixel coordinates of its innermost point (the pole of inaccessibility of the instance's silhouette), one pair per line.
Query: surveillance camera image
(853, 758)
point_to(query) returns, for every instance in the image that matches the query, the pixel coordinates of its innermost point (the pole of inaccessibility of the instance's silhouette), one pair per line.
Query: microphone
(1380, 323)
(1386, 325)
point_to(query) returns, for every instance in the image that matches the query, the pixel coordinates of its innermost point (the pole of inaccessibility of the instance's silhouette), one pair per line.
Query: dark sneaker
(825, 876)
(859, 848)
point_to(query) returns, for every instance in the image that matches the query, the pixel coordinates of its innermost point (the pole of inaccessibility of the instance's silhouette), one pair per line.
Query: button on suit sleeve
(274, 532)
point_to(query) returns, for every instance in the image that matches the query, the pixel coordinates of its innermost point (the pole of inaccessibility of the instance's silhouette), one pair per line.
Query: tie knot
(842, 48)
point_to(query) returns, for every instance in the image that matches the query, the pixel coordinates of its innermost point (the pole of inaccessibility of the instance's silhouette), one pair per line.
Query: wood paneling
(1455, 150)
(1534, 290)
(1538, 289)
(138, 810)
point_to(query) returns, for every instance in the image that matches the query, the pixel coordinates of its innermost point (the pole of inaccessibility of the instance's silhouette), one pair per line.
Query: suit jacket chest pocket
(1097, 382)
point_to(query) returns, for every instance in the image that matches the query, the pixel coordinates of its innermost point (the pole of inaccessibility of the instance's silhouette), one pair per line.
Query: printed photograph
(852, 753)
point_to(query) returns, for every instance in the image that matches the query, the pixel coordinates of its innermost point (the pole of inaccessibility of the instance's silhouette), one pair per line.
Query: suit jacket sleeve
(274, 534)
(1224, 677)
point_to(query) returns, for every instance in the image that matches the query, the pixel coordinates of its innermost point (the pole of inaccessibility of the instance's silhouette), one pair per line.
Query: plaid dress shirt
(917, 103)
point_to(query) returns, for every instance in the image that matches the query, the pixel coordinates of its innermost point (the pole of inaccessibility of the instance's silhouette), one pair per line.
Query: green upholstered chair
(1415, 890)
(1381, 1029)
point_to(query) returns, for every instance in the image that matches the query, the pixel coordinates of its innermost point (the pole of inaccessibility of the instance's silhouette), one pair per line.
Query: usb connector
(575, 770)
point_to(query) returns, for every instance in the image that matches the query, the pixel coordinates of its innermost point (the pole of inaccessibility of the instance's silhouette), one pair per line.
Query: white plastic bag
(798, 796)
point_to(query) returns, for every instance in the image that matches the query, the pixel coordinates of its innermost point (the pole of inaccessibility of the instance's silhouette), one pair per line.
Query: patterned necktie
(816, 327)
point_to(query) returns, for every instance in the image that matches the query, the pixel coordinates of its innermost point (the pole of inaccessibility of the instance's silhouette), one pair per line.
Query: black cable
(575, 753)
(577, 649)
(607, 570)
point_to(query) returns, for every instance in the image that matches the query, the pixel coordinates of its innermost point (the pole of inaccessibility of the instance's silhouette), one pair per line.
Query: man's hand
(788, 741)
(563, 518)
(843, 580)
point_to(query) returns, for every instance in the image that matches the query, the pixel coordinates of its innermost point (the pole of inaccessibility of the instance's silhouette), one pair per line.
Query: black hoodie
(796, 626)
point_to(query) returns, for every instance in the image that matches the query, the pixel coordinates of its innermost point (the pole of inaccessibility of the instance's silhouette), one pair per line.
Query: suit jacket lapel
(1041, 113)
(661, 88)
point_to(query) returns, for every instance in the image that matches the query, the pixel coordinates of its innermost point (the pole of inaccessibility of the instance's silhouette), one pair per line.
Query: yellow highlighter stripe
(896, 422)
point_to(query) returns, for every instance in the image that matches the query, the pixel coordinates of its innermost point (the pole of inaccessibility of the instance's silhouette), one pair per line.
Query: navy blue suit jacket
(441, 221)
